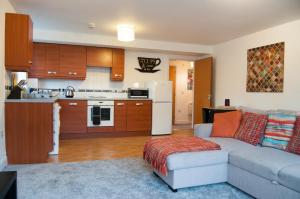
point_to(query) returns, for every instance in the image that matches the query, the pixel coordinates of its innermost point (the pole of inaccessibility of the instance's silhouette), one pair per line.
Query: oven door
(100, 116)
(107, 115)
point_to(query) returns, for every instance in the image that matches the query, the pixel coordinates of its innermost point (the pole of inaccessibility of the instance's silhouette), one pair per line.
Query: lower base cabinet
(139, 115)
(73, 116)
(28, 132)
(120, 118)
(131, 118)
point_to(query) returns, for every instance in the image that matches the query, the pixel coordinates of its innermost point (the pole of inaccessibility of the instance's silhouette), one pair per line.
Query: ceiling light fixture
(125, 32)
(91, 25)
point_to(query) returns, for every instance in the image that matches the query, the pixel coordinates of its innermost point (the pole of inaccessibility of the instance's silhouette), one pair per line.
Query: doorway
(181, 74)
(192, 91)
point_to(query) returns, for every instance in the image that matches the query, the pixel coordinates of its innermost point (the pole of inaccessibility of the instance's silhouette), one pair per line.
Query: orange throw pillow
(226, 124)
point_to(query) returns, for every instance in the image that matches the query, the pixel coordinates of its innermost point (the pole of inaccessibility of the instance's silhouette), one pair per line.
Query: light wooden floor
(76, 150)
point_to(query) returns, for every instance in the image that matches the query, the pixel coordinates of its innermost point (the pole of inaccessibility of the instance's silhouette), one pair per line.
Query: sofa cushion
(226, 124)
(290, 177)
(263, 161)
(279, 130)
(196, 159)
(294, 143)
(252, 127)
(204, 158)
(231, 144)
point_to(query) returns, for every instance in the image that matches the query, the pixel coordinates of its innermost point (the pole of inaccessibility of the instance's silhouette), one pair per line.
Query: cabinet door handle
(73, 104)
(51, 72)
(72, 73)
(139, 104)
(120, 104)
(29, 62)
(118, 75)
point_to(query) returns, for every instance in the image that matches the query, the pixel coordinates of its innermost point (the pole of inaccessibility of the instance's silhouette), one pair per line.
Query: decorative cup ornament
(147, 65)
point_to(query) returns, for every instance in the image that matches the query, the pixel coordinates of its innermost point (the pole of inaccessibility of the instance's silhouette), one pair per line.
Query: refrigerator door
(161, 118)
(160, 91)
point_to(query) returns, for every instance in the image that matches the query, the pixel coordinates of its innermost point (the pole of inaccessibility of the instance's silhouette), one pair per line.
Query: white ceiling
(187, 21)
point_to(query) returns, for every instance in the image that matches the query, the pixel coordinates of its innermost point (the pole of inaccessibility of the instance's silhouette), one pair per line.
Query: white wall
(5, 6)
(231, 69)
(183, 96)
(99, 78)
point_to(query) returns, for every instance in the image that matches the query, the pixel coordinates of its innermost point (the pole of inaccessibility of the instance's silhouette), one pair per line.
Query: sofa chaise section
(200, 168)
(195, 168)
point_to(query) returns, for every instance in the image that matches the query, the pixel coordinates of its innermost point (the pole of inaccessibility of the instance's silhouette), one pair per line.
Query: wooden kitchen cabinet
(99, 57)
(59, 61)
(131, 118)
(45, 61)
(38, 61)
(139, 115)
(73, 62)
(28, 132)
(18, 42)
(120, 122)
(117, 70)
(73, 116)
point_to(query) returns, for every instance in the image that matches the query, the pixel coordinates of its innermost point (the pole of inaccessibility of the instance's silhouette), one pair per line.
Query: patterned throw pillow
(294, 143)
(252, 127)
(279, 130)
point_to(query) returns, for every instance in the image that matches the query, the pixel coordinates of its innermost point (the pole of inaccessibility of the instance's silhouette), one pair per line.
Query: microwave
(138, 93)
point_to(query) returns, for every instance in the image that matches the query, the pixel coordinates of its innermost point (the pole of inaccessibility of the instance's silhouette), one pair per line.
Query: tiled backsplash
(8, 88)
(109, 93)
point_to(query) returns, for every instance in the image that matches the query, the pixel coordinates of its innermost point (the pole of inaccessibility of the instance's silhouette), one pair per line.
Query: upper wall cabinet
(73, 61)
(59, 61)
(117, 70)
(45, 61)
(99, 57)
(18, 42)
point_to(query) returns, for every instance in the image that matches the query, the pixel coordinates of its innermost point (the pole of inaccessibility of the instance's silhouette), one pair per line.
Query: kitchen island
(28, 130)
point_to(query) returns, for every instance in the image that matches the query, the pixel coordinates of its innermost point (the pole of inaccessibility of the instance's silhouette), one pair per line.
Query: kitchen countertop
(33, 100)
(54, 99)
(102, 99)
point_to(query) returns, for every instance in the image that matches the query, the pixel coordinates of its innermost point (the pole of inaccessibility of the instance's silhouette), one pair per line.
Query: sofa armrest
(203, 130)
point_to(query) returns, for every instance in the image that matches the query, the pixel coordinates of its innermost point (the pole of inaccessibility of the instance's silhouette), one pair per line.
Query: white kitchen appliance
(56, 127)
(161, 94)
(100, 113)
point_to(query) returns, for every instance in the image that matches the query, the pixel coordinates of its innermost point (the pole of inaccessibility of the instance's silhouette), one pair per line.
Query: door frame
(173, 93)
(208, 58)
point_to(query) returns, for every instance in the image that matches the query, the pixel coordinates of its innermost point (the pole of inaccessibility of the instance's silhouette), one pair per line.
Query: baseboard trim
(3, 163)
(182, 122)
(64, 136)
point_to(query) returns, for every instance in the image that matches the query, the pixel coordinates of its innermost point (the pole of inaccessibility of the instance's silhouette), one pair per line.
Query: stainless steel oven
(100, 113)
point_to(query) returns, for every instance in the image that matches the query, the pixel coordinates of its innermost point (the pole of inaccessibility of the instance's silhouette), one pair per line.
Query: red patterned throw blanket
(157, 150)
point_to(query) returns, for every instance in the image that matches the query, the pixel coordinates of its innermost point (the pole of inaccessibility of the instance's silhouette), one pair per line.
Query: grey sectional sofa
(259, 171)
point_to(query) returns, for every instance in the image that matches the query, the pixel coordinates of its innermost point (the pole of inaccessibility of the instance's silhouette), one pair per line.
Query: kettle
(69, 93)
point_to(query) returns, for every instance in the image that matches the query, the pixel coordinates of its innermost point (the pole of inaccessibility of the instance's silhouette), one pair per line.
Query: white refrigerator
(161, 94)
